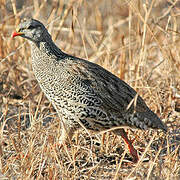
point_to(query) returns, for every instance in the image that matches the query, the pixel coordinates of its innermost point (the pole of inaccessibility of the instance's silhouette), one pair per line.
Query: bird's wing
(109, 89)
(102, 91)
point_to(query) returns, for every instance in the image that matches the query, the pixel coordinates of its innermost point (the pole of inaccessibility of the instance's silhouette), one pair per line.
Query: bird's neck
(45, 55)
(47, 47)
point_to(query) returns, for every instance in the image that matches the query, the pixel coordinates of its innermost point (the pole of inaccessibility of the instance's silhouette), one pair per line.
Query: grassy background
(136, 40)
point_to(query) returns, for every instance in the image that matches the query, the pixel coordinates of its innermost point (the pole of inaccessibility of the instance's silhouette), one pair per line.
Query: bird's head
(31, 29)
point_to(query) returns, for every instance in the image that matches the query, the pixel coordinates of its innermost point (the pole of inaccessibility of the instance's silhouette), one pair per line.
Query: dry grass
(138, 42)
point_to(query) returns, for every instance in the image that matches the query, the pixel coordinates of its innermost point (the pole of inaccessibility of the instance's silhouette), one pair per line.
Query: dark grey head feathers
(32, 29)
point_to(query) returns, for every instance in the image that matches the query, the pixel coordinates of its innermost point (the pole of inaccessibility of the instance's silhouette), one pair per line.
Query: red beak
(17, 34)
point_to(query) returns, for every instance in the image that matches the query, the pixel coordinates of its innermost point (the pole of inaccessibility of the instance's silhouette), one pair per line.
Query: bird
(84, 94)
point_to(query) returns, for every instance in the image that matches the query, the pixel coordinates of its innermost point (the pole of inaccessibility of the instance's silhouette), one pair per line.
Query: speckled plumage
(84, 93)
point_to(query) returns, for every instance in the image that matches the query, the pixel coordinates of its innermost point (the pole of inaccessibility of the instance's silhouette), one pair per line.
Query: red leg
(132, 150)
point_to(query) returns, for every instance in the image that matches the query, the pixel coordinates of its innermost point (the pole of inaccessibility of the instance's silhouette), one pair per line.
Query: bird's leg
(132, 150)
(66, 135)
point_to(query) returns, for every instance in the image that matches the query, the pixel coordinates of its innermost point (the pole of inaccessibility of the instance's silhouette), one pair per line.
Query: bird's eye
(31, 27)
(21, 29)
